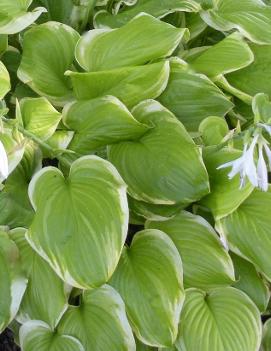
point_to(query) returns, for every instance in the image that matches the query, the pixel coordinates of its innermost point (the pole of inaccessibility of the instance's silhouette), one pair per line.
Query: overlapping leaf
(149, 279)
(4, 81)
(164, 166)
(81, 221)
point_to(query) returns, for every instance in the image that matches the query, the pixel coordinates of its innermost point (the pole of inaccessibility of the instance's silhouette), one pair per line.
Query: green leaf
(39, 117)
(45, 297)
(213, 130)
(142, 347)
(15, 207)
(194, 24)
(81, 221)
(164, 166)
(252, 18)
(52, 45)
(37, 335)
(100, 322)
(158, 9)
(4, 81)
(228, 55)
(247, 230)
(249, 281)
(224, 319)
(149, 279)
(256, 77)
(59, 10)
(261, 107)
(59, 140)
(206, 263)
(12, 281)
(3, 43)
(186, 87)
(130, 84)
(266, 342)
(150, 39)
(100, 122)
(14, 16)
(226, 195)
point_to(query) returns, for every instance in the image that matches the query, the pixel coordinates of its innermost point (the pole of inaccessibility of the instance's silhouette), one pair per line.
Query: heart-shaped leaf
(52, 45)
(80, 224)
(223, 319)
(158, 9)
(14, 16)
(164, 166)
(37, 335)
(149, 279)
(100, 122)
(12, 281)
(100, 322)
(206, 263)
(184, 88)
(248, 230)
(130, 84)
(37, 302)
(143, 39)
(250, 17)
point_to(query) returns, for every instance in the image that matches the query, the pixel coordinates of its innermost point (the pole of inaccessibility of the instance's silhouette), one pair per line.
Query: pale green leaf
(45, 297)
(130, 84)
(59, 140)
(249, 281)
(100, 122)
(226, 194)
(149, 279)
(266, 342)
(250, 17)
(261, 107)
(164, 166)
(213, 130)
(206, 263)
(12, 281)
(158, 9)
(80, 224)
(228, 55)
(39, 117)
(100, 322)
(14, 16)
(51, 45)
(143, 39)
(4, 81)
(248, 230)
(192, 97)
(37, 335)
(224, 319)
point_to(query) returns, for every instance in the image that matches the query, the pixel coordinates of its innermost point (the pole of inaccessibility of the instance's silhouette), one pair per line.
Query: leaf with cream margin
(250, 282)
(256, 77)
(14, 16)
(4, 81)
(149, 278)
(158, 9)
(39, 117)
(15, 207)
(184, 88)
(252, 18)
(37, 335)
(225, 195)
(164, 166)
(223, 319)
(52, 45)
(130, 84)
(206, 263)
(43, 284)
(12, 281)
(99, 122)
(81, 220)
(100, 322)
(141, 40)
(248, 230)
(228, 55)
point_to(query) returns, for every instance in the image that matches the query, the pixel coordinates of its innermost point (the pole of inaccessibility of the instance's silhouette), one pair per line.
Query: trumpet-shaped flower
(3, 162)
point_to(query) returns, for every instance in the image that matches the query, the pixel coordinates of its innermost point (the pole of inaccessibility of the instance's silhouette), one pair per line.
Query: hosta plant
(134, 174)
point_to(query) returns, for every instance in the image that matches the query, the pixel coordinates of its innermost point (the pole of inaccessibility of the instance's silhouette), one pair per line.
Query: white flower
(244, 165)
(3, 162)
(262, 170)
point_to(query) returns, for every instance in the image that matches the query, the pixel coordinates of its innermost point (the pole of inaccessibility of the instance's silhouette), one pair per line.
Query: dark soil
(7, 342)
